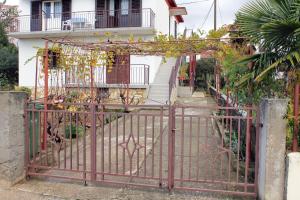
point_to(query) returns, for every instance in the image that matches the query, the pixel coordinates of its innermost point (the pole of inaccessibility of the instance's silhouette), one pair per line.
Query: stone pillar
(272, 148)
(292, 176)
(12, 137)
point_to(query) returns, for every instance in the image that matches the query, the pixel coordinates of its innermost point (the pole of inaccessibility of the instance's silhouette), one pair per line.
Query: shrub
(80, 131)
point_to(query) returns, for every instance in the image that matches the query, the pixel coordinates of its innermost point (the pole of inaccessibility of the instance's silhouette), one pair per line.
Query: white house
(87, 20)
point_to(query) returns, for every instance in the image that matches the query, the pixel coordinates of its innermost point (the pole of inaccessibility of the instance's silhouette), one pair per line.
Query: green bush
(80, 131)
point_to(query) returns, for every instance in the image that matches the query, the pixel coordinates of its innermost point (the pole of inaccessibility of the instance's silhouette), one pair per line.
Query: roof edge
(172, 4)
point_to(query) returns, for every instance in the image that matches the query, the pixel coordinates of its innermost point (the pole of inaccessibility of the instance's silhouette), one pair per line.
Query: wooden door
(120, 72)
(36, 16)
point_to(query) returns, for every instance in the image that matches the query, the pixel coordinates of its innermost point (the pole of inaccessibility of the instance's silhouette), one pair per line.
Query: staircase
(159, 89)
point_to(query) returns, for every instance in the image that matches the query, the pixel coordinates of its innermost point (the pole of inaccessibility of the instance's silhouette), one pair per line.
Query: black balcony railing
(85, 20)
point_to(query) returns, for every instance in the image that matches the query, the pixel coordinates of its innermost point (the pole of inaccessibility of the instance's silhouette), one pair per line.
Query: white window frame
(112, 8)
(58, 14)
(125, 7)
(52, 9)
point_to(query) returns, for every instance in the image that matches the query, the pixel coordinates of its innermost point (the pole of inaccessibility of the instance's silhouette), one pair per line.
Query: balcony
(85, 21)
(136, 76)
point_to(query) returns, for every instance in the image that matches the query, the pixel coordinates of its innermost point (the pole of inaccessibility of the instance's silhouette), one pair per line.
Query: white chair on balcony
(76, 23)
(67, 25)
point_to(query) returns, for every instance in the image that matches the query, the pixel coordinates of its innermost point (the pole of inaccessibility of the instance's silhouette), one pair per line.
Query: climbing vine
(81, 57)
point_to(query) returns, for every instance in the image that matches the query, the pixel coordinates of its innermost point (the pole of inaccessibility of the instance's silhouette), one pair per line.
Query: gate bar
(46, 62)
(93, 144)
(171, 149)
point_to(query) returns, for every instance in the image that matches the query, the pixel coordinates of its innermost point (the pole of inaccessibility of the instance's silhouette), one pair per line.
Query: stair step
(159, 90)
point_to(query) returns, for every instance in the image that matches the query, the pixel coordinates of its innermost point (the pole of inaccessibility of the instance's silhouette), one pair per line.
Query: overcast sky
(198, 11)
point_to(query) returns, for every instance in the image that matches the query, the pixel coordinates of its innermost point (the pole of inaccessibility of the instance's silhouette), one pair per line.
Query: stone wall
(140, 95)
(112, 94)
(12, 138)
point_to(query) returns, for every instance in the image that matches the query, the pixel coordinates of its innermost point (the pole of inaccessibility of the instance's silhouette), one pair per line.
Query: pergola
(163, 46)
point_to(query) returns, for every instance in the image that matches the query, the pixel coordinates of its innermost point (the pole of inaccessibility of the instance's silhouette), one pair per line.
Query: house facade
(91, 20)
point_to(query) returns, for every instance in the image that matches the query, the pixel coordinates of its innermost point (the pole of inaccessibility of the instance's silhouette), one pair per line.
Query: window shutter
(35, 8)
(66, 9)
(100, 5)
(36, 16)
(136, 6)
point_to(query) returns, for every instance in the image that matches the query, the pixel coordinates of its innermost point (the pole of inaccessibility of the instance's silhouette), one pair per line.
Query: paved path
(199, 154)
(43, 190)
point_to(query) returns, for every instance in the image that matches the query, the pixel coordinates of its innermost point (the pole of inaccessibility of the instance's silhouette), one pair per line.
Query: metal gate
(176, 147)
(214, 149)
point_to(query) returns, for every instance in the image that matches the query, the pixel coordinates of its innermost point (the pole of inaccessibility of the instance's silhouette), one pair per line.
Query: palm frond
(243, 80)
(293, 58)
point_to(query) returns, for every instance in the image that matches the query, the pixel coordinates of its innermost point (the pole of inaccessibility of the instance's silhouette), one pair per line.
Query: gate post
(272, 148)
(13, 151)
(171, 147)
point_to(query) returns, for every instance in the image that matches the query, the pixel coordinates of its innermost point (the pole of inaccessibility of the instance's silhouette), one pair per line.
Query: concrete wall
(86, 5)
(272, 147)
(12, 137)
(293, 176)
(25, 7)
(161, 11)
(27, 50)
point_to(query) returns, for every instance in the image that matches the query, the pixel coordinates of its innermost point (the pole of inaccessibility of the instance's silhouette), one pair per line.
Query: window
(47, 9)
(52, 59)
(52, 9)
(124, 7)
(136, 6)
(112, 8)
(57, 9)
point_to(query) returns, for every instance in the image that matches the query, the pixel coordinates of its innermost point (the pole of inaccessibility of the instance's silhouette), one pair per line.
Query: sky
(197, 12)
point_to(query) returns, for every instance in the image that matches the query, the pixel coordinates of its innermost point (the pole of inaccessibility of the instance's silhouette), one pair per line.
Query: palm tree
(273, 25)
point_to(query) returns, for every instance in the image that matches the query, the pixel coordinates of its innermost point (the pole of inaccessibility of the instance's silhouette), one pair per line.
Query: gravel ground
(41, 190)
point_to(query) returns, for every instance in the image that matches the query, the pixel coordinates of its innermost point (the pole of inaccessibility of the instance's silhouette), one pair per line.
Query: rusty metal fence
(212, 150)
(295, 119)
(176, 147)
